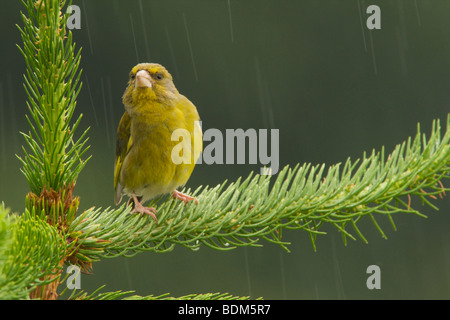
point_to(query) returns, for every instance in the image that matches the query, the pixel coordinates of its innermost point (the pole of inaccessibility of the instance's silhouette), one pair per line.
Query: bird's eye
(132, 76)
(158, 76)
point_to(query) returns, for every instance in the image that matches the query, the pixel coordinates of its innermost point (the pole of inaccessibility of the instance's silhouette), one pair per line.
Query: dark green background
(311, 69)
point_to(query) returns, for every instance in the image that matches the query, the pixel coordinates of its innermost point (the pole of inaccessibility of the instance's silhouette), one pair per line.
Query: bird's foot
(183, 197)
(139, 208)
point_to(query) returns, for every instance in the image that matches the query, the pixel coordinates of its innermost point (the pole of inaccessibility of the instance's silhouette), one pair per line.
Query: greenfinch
(145, 167)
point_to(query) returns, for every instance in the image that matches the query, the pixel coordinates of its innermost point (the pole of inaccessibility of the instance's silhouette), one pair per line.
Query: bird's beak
(143, 79)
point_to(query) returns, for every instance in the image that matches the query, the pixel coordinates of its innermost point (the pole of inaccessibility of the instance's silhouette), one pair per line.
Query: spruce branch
(53, 158)
(34, 246)
(128, 295)
(30, 255)
(304, 197)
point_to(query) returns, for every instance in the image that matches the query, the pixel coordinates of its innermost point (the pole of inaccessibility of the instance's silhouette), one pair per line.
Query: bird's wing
(123, 146)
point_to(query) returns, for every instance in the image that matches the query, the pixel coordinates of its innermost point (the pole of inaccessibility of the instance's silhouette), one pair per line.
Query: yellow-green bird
(147, 161)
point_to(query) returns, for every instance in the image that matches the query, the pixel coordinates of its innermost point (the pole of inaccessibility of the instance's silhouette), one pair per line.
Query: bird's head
(149, 82)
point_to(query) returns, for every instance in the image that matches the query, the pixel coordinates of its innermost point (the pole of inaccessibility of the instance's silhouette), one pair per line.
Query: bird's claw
(183, 197)
(139, 208)
(146, 210)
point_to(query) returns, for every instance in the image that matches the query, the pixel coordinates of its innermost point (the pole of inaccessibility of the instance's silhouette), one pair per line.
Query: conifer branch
(128, 295)
(30, 251)
(53, 158)
(304, 197)
(34, 246)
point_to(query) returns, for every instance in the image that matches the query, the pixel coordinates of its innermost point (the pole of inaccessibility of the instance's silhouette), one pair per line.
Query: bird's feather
(123, 146)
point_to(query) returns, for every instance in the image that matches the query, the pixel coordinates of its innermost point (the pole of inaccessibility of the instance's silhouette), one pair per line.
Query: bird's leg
(139, 208)
(183, 197)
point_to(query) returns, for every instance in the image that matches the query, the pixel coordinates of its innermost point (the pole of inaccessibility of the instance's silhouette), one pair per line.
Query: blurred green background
(311, 69)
